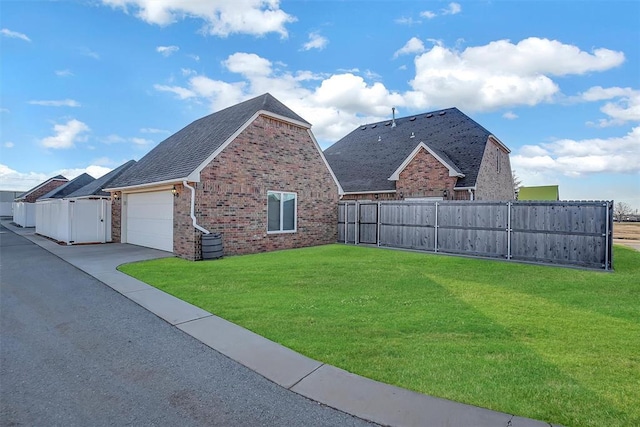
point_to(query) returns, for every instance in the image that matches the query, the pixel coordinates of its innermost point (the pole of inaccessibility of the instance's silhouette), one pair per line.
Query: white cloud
(444, 77)
(90, 53)
(153, 130)
(57, 103)
(428, 14)
(66, 135)
(510, 115)
(502, 74)
(221, 17)
(141, 141)
(316, 41)
(187, 71)
(64, 73)
(167, 50)
(13, 180)
(9, 144)
(414, 45)
(407, 21)
(14, 35)
(624, 107)
(576, 158)
(452, 9)
(194, 57)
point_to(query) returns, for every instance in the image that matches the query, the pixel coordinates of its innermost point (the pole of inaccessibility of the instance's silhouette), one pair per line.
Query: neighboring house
(24, 208)
(81, 216)
(439, 155)
(542, 192)
(6, 202)
(252, 172)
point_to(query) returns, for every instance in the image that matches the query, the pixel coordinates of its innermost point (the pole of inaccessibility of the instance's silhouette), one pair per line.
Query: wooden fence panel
(564, 233)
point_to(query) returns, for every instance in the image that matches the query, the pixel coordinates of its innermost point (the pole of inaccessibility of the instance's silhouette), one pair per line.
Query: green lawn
(555, 344)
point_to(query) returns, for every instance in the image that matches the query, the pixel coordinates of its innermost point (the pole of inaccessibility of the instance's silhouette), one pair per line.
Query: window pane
(273, 212)
(289, 212)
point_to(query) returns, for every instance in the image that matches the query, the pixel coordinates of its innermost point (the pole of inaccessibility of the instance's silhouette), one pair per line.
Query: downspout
(470, 193)
(193, 207)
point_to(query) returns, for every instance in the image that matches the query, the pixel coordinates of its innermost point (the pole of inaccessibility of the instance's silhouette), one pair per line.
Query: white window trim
(295, 212)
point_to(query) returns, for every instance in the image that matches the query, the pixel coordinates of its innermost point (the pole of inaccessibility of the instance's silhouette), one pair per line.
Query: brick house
(438, 155)
(252, 172)
(24, 208)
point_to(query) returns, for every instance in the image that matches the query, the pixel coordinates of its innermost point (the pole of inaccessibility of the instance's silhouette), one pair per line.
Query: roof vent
(393, 121)
(379, 138)
(373, 126)
(363, 128)
(429, 115)
(442, 113)
(387, 124)
(412, 118)
(412, 135)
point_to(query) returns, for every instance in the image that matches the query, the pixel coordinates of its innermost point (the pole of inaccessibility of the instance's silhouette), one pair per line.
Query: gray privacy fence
(565, 233)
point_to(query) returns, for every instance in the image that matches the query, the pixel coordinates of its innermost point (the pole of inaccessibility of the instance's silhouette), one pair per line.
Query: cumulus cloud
(624, 106)
(167, 50)
(221, 17)
(316, 41)
(13, 180)
(502, 74)
(66, 135)
(581, 157)
(452, 9)
(510, 115)
(414, 45)
(337, 103)
(57, 103)
(14, 35)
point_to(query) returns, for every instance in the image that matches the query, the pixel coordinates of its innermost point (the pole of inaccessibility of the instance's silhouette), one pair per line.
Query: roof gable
(42, 184)
(439, 156)
(366, 158)
(179, 155)
(68, 188)
(94, 188)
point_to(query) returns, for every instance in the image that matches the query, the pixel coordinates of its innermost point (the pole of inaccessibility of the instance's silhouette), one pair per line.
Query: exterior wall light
(445, 193)
(174, 191)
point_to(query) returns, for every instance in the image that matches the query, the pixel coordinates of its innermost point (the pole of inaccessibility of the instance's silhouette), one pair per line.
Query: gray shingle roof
(181, 153)
(364, 160)
(95, 187)
(31, 190)
(65, 189)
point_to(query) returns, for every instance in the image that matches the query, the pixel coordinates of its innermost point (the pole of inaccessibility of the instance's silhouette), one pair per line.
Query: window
(498, 160)
(281, 212)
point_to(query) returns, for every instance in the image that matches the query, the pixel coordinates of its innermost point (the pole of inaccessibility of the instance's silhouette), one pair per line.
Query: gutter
(193, 208)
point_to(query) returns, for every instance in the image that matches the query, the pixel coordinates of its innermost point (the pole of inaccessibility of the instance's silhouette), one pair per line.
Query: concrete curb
(362, 397)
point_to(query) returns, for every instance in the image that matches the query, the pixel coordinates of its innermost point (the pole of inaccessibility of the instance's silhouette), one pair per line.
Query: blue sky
(88, 85)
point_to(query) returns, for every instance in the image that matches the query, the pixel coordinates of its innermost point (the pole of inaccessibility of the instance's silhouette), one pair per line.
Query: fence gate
(358, 222)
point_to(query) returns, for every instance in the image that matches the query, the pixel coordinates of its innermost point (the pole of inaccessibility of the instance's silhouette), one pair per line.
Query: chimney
(393, 112)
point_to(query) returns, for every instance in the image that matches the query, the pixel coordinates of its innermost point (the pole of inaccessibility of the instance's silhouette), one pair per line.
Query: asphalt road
(73, 352)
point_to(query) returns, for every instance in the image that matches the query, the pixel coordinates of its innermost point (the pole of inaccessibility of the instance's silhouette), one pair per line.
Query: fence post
(346, 222)
(509, 229)
(435, 233)
(606, 238)
(356, 224)
(378, 226)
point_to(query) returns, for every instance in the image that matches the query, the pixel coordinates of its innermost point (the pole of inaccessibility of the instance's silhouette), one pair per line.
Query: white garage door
(150, 220)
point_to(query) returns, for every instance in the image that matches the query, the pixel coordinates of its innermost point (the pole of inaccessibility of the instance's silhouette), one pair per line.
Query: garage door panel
(150, 220)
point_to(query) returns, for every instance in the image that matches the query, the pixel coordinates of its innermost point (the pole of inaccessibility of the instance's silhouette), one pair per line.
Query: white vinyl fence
(24, 214)
(74, 221)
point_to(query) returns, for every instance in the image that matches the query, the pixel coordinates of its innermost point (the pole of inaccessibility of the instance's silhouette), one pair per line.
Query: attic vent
(442, 113)
(429, 115)
(412, 118)
(373, 126)
(363, 128)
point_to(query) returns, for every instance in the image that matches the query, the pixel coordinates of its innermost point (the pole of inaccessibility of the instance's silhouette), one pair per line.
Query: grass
(555, 344)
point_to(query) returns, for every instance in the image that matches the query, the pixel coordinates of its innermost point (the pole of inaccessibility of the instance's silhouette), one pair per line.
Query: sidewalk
(367, 399)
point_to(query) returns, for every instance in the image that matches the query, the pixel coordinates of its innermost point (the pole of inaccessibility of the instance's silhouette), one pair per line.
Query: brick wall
(495, 180)
(31, 198)
(425, 176)
(116, 218)
(231, 197)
